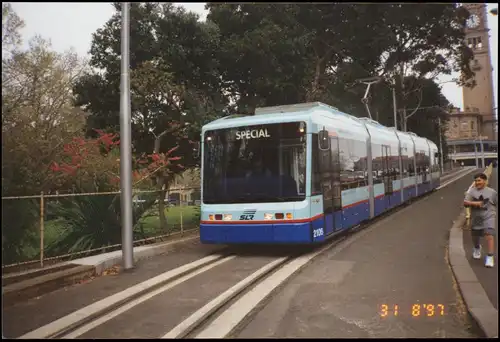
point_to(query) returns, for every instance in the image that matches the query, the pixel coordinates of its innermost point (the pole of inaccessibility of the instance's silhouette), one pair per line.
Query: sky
(70, 25)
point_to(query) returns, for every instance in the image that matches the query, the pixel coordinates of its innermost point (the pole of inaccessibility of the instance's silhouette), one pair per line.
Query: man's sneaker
(489, 261)
(476, 253)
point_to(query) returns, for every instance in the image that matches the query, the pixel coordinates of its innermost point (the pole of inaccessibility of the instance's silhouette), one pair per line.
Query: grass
(150, 222)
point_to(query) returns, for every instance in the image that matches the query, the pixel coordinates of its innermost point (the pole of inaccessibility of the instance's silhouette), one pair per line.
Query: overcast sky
(72, 24)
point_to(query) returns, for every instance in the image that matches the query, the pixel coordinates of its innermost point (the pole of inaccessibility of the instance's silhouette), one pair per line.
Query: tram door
(387, 175)
(336, 185)
(331, 187)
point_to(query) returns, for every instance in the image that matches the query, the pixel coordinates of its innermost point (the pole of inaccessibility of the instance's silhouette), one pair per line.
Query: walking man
(482, 201)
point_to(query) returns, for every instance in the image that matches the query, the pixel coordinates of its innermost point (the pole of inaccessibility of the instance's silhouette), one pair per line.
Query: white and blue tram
(301, 173)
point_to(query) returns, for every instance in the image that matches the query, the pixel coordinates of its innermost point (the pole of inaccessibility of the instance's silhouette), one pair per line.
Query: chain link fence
(44, 229)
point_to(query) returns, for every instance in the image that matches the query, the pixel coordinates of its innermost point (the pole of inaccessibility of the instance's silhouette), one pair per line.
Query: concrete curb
(476, 300)
(30, 288)
(81, 269)
(102, 262)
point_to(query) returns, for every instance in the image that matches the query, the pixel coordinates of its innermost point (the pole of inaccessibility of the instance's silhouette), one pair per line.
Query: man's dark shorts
(483, 232)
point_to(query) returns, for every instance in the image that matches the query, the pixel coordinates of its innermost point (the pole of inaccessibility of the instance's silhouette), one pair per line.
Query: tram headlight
(289, 216)
(211, 217)
(228, 217)
(268, 216)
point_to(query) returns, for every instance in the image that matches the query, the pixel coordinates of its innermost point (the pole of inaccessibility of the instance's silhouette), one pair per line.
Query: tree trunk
(160, 182)
(404, 121)
(161, 205)
(312, 95)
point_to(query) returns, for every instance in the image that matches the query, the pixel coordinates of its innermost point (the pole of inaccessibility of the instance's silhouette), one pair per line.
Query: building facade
(474, 129)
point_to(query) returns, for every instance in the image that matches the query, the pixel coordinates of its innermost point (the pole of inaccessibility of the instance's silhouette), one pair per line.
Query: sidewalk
(487, 277)
(399, 264)
(478, 284)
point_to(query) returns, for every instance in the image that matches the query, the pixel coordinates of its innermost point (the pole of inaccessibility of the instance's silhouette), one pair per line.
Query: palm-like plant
(88, 222)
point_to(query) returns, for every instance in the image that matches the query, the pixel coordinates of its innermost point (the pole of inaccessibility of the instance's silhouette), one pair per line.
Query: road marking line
(82, 330)
(455, 179)
(454, 173)
(186, 326)
(94, 309)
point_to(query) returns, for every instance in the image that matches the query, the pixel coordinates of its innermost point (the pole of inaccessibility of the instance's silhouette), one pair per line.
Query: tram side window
(411, 161)
(405, 161)
(315, 167)
(377, 163)
(427, 165)
(422, 164)
(353, 163)
(394, 162)
(435, 166)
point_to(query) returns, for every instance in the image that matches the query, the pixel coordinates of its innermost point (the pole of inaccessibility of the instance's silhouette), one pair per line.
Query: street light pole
(482, 151)
(475, 154)
(394, 105)
(126, 145)
(440, 146)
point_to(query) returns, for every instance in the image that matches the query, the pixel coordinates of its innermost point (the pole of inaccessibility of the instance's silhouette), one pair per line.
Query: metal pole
(483, 165)
(42, 228)
(395, 106)
(126, 145)
(440, 146)
(475, 154)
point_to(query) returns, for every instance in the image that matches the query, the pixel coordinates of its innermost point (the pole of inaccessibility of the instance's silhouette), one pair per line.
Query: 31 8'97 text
(416, 310)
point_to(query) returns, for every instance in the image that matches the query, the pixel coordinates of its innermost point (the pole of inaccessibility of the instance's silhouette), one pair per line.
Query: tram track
(261, 278)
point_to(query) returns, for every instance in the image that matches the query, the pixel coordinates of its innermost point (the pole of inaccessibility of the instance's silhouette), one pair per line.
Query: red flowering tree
(93, 165)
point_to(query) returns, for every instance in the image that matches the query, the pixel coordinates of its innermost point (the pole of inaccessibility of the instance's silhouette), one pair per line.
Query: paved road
(488, 277)
(402, 262)
(26, 316)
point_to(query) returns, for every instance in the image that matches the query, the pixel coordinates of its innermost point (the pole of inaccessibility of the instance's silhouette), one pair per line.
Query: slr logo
(248, 215)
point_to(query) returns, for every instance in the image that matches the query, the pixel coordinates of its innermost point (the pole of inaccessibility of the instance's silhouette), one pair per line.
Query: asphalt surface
(400, 262)
(488, 277)
(29, 315)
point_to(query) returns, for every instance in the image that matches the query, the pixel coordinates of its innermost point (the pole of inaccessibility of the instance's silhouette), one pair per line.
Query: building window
(472, 125)
(475, 43)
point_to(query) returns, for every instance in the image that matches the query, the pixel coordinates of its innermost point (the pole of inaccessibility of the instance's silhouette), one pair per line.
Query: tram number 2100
(318, 232)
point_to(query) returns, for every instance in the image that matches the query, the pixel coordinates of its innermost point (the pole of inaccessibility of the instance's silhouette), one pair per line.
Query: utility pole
(440, 146)
(394, 105)
(126, 145)
(482, 152)
(475, 154)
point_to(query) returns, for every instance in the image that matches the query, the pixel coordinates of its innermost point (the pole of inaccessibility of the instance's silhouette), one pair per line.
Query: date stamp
(414, 310)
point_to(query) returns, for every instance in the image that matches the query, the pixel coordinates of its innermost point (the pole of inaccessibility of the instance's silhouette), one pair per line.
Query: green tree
(175, 86)
(38, 118)
(11, 24)
(173, 79)
(279, 54)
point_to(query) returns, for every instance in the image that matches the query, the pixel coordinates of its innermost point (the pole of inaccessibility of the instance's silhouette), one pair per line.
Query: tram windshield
(255, 164)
